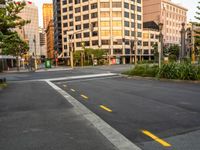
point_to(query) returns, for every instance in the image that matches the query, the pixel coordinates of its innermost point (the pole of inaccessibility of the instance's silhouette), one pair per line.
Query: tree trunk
(18, 63)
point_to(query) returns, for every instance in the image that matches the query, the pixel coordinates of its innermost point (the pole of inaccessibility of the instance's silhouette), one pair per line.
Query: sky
(189, 4)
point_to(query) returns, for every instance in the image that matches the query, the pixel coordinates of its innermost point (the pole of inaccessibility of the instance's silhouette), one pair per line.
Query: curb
(162, 79)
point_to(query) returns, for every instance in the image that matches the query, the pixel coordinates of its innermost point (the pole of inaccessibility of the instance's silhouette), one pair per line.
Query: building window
(86, 17)
(139, 17)
(117, 14)
(78, 18)
(126, 23)
(78, 9)
(105, 23)
(78, 36)
(95, 42)
(126, 14)
(105, 4)
(65, 25)
(64, 10)
(78, 27)
(139, 26)
(65, 17)
(105, 14)
(94, 15)
(139, 9)
(126, 5)
(116, 4)
(116, 23)
(71, 8)
(132, 16)
(105, 42)
(132, 7)
(70, 16)
(139, 1)
(145, 43)
(86, 34)
(85, 8)
(95, 33)
(117, 32)
(94, 6)
(127, 33)
(78, 44)
(105, 33)
(139, 34)
(86, 26)
(77, 1)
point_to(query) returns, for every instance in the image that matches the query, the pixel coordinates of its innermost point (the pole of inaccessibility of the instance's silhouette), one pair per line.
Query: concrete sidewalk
(35, 117)
(23, 70)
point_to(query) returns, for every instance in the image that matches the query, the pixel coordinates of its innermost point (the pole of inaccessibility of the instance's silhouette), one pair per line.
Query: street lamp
(34, 41)
(160, 45)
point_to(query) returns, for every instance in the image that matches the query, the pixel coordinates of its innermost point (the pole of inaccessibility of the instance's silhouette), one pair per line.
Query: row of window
(78, 9)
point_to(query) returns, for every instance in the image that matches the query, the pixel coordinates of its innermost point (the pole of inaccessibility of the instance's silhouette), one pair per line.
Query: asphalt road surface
(155, 115)
(171, 111)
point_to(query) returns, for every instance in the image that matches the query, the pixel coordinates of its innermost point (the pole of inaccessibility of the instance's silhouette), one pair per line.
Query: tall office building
(47, 10)
(50, 40)
(57, 25)
(170, 14)
(114, 25)
(43, 45)
(30, 12)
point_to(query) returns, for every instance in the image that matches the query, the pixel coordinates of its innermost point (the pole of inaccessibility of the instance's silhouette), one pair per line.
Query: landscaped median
(177, 71)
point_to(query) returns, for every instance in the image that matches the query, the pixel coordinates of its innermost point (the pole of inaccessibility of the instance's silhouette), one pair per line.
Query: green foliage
(14, 45)
(197, 37)
(143, 70)
(173, 51)
(183, 71)
(89, 55)
(9, 17)
(155, 52)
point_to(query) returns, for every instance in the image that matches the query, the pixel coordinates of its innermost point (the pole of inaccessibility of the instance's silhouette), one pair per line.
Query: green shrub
(183, 71)
(143, 70)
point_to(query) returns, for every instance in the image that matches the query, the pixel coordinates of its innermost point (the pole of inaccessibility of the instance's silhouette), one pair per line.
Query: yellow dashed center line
(85, 97)
(73, 90)
(157, 139)
(105, 108)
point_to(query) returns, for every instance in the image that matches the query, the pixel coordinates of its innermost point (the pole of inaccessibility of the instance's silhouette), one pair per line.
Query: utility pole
(160, 44)
(193, 43)
(182, 50)
(34, 40)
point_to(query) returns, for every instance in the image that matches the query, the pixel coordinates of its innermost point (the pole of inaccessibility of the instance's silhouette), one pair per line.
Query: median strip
(73, 90)
(85, 97)
(157, 139)
(105, 108)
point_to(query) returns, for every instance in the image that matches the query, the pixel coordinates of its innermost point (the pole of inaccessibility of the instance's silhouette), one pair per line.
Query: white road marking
(116, 138)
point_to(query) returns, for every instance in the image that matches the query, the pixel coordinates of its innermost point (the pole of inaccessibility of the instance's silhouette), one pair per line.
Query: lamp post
(160, 45)
(182, 50)
(34, 40)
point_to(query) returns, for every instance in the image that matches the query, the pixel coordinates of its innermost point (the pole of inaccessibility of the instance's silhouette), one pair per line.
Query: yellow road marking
(85, 97)
(105, 108)
(157, 139)
(73, 90)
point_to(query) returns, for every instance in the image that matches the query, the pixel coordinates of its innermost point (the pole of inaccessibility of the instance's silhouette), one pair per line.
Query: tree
(155, 52)
(9, 17)
(173, 52)
(14, 45)
(197, 36)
